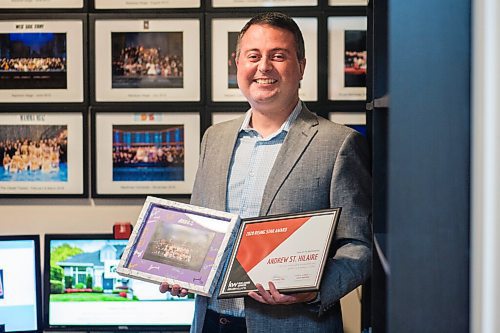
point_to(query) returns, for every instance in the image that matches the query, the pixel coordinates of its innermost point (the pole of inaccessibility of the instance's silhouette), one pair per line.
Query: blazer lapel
(296, 141)
(226, 141)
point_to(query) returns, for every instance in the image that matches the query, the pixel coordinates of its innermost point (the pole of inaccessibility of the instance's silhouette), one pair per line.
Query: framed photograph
(178, 243)
(43, 4)
(147, 60)
(354, 120)
(43, 154)
(41, 61)
(347, 58)
(219, 117)
(263, 3)
(289, 250)
(145, 4)
(224, 37)
(348, 2)
(145, 153)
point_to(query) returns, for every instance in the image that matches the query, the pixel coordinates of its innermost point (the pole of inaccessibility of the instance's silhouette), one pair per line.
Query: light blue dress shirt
(251, 163)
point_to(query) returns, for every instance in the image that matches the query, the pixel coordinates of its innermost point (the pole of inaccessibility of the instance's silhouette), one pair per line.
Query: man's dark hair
(279, 20)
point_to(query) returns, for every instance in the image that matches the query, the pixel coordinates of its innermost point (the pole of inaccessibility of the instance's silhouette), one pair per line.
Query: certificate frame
(144, 4)
(354, 120)
(56, 165)
(67, 83)
(224, 33)
(193, 259)
(346, 84)
(180, 82)
(139, 136)
(290, 250)
(262, 3)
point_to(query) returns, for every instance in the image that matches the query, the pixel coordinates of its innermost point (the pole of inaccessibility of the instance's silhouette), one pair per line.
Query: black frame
(84, 150)
(38, 275)
(146, 16)
(46, 283)
(36, 8)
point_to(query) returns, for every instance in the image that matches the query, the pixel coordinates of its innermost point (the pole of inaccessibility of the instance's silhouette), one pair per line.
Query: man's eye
(253, 57)
(279, 57)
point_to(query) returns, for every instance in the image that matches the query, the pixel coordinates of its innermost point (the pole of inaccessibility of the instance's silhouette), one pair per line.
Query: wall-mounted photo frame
(144, 153)
(347, 2)
(347, 58)
(44, 4)
(263, 3)
(224, 37)
(145, 4)
(42, 60)
(354, 120)
(43, 154)
(147, 60)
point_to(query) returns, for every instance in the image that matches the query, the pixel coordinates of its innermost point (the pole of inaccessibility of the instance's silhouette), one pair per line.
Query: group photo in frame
(263, 3)
(42, 60)
(45, 4)
(224, 38)
(144, 153)
(178, 243)
(289, 250)
(347, 58)
(354, 120)
(43, 154)
(145, 4)
(147, 59)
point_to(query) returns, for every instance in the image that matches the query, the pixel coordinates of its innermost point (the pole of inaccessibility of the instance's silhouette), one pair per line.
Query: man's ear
(302, 64)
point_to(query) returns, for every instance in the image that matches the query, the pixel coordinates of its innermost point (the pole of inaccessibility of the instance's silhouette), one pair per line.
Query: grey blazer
(320, 165)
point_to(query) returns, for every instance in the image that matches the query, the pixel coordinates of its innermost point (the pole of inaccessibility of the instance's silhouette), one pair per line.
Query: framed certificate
(263, 3)
(43, 4)
(289, 250)
(178, 243)
(348, 2)
(145, 4)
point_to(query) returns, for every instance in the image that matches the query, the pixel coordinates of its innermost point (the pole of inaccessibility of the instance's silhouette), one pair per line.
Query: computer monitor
(20, 284)
(84, 292)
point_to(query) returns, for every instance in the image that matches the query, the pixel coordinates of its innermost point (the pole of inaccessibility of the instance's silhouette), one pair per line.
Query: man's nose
(265, 65)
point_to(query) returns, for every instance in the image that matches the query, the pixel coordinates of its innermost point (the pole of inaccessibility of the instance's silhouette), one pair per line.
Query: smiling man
(281, 158)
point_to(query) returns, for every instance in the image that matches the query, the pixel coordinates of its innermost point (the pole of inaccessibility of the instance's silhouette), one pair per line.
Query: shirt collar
(245, 126)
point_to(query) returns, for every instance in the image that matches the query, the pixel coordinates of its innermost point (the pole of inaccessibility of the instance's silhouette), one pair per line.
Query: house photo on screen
(86, 291)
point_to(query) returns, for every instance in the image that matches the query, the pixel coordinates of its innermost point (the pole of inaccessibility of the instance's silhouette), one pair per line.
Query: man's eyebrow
(276, 49)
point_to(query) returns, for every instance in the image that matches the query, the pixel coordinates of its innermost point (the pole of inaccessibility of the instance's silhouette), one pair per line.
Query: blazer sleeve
(350, 189)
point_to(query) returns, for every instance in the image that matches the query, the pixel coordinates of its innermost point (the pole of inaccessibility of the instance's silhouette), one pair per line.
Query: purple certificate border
(160, 214)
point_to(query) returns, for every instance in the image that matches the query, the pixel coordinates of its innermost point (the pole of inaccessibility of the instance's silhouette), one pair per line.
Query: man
(281, 158)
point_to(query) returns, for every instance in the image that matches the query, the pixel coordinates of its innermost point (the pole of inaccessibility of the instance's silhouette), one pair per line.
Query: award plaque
(177, 243)
(289, 250)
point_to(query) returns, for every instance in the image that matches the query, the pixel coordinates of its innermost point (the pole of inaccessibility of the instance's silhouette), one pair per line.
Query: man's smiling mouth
(265, 81)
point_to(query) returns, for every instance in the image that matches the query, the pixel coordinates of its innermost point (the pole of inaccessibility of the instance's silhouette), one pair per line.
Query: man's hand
(273, 296)
(174, 289)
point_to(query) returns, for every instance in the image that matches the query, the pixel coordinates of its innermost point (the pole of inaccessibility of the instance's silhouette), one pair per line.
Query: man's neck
(267, 123)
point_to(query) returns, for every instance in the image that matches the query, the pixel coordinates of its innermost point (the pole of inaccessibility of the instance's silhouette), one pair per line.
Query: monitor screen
(20, 284)
(84, 291)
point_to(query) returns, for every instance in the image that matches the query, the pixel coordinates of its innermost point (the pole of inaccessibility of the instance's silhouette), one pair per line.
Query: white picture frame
(114, 179)
(145, 4)
(45, 4)
(66, 177)
(222, 27)
(338, 89)
(192, 259)
(186, 91)
(348, 2)
(72, 72)
(219, 117)
(262, 3)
